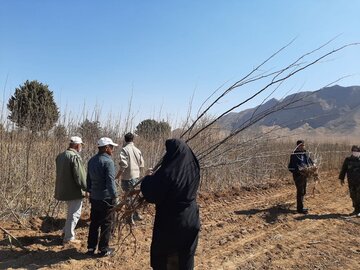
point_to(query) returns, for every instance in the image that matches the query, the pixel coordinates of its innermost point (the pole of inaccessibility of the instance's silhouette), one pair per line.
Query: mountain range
(332, 110)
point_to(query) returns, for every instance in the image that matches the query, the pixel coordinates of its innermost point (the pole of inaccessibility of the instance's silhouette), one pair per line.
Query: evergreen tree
(150, 129)
(33, 107)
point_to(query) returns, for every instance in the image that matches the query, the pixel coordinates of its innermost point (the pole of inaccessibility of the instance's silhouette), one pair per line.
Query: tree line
(32, 107)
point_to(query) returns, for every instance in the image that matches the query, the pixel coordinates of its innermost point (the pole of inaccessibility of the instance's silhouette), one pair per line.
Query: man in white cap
(70, 186)
(101, 186)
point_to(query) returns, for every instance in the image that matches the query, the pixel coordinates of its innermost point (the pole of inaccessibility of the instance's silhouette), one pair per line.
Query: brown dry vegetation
(27, 165)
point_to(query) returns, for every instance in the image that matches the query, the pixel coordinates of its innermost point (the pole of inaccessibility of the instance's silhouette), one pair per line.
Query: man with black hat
(351, 168)
(299, 160)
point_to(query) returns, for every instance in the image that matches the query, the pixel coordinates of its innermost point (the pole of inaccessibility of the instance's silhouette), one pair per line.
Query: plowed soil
(256, 228)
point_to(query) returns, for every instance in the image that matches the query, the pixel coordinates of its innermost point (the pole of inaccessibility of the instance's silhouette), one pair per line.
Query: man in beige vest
(131, 165)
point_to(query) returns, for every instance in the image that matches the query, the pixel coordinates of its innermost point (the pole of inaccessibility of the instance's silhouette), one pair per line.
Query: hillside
(241, 229)
(332, 110)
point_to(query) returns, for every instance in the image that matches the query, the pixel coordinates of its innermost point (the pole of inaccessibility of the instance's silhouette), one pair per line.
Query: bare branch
(273, 82)
(13, 237)
(235, 85)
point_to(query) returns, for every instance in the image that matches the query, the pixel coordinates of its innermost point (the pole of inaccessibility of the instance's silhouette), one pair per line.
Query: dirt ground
(241, 229)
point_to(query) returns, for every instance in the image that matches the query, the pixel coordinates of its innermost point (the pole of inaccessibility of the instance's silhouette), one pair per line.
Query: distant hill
(333, 109)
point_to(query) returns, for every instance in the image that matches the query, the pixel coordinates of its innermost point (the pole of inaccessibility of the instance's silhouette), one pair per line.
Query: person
(70, 186)
(131, 165)
(173, 190)
(299, 160)
(351, 168)
(103, 196)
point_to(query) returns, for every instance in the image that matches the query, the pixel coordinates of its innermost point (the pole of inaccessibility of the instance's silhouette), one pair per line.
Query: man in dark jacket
(299, 160)
(101, 186)
(351, 168)
(173, 190)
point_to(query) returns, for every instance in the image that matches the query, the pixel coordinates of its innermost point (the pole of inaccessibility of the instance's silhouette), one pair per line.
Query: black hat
(300, 142)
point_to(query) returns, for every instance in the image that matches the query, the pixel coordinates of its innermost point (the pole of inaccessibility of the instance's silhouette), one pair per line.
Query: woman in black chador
(173, 189)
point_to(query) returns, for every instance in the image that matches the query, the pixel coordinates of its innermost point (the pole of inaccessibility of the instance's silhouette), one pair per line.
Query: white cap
(76, 139)
(105, 141)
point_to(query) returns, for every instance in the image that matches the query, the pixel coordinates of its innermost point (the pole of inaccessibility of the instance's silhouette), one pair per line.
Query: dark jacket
(299, 159)
(351, 168)
(101, 177)
(173, 189)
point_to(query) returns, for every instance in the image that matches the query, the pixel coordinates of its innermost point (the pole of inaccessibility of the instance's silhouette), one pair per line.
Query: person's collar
(72, 149)
(127, 143)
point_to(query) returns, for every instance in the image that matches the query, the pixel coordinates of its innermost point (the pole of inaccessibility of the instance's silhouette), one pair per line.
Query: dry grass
(27, 165)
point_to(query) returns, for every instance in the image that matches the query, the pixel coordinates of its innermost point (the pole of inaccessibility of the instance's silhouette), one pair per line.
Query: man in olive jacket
(70, 186)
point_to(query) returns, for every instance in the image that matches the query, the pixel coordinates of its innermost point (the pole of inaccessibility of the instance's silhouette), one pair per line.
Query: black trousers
(300, 183)
(354, 189)
(100, 218)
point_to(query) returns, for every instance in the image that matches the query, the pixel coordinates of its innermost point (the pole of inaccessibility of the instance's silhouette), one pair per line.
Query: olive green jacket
(70, 176)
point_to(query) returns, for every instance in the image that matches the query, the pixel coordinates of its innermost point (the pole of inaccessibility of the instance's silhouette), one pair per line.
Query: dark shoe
(90, 252)
(303, 211)
(106, 253)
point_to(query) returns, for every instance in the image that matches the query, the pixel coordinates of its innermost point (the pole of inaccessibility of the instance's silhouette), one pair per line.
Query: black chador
(173, 189)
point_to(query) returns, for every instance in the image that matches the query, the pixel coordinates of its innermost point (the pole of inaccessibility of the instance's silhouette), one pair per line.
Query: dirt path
(255, 229)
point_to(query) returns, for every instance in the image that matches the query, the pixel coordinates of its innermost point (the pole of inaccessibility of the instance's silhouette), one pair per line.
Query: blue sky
(161, 53)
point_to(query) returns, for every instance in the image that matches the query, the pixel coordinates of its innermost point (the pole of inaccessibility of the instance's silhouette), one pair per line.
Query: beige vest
(131, 160)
